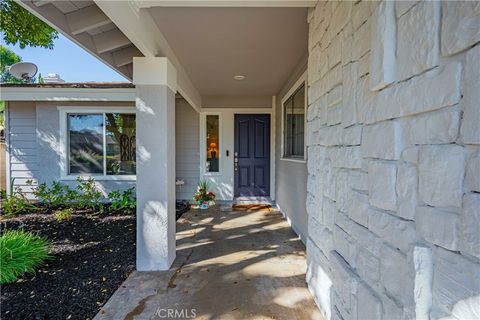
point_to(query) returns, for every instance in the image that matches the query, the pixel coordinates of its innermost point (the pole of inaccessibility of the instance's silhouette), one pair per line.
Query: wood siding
(22, 144)
(187, 135)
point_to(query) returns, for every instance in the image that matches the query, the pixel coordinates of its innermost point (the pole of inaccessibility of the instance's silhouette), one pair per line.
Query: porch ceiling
(214, 44)
(207, 45)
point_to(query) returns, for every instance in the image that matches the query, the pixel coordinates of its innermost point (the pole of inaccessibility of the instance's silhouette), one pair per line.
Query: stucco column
(155, 82)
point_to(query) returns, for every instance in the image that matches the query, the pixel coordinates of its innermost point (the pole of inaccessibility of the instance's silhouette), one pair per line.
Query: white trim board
(66, 94)
(7, 147)
(301, 80)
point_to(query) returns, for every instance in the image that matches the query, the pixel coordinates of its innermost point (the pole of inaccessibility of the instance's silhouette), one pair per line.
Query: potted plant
(203, 197)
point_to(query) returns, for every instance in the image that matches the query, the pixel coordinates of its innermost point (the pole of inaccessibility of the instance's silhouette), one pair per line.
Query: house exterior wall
(393, 159)
(291, 177)
(222, 182)
(21, 143)
(187, 128)
(49, 144)
(34, 142)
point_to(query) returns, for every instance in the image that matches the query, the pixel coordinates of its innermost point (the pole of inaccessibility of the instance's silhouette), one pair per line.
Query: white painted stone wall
(393, 137)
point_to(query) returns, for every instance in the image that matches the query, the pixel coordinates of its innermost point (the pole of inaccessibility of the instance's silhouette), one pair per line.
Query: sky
(70, 61)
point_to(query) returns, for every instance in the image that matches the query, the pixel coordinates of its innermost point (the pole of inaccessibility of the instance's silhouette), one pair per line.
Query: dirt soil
(92, 256)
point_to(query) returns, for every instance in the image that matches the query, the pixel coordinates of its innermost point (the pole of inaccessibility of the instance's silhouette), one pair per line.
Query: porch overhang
(242, 38)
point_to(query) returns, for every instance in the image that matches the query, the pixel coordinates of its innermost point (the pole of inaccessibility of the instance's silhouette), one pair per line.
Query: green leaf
(20, 26)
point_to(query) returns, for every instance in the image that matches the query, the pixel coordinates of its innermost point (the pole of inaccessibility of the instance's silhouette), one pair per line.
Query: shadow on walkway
(229, 265)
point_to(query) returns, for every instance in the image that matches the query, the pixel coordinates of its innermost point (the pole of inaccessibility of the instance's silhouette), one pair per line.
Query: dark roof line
(86, 85)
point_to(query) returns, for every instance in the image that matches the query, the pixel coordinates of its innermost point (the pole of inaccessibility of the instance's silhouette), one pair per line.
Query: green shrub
(63, 214)
(122, 200)
(90, 196)
(58, 195)
(21, 252)
(15, 202)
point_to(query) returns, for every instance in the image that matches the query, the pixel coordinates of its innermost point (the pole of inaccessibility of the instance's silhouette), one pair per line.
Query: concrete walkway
(230, 265)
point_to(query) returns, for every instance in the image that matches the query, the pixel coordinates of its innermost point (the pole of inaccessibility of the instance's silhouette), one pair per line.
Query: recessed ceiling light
(239, 77)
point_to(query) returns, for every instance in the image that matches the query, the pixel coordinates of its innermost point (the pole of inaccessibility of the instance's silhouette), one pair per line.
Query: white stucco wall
(291, 176)
(393, 159)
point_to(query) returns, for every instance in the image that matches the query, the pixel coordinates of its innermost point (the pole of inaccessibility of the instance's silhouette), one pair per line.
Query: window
(294, 125)
(101, 144)
(213, 151)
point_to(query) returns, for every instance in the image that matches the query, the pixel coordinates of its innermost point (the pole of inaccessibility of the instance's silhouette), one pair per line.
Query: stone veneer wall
(393, 139)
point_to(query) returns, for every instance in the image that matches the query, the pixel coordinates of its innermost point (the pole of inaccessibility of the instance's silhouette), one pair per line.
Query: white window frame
(301, 81)
(203, 144)
(64, 150)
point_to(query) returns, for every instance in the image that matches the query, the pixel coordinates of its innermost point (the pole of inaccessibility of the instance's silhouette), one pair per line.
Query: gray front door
(252, 155)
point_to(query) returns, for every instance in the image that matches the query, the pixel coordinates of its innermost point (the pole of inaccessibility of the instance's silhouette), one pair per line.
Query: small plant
(90, 196)
(15, 202)
(122, 200)
(57, 195)
(71, 196)
(202, 194)
(21, 252)
(63, 214)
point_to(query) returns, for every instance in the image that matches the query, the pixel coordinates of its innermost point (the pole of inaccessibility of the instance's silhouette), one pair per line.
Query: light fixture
(239, 77)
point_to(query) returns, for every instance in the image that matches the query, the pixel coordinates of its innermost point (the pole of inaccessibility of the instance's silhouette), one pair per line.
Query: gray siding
(187, 135)
(34, 142)
(291, 177)
(48, 139)
(22, 143)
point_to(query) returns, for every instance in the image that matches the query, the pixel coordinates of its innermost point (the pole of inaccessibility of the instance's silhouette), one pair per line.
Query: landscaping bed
(91, 256)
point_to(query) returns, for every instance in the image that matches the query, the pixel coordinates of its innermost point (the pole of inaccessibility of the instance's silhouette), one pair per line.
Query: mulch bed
(92, 256)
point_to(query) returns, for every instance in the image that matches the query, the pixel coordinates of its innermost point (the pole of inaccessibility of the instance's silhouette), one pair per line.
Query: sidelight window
(213, 151)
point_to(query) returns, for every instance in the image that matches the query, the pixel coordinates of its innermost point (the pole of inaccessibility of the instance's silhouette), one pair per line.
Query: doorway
(252, 155)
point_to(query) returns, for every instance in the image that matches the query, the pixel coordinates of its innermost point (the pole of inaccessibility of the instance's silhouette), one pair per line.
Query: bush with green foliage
(60, 196)
(15, 202)
(90, 196)
(63, 214)
(56, 195)
(122, 201)
(86, 195)
(21, 252)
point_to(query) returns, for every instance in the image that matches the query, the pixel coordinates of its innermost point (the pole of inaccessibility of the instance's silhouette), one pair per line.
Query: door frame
(228, 138)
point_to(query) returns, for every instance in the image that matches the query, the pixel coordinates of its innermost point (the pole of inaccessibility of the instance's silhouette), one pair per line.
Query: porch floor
(229, 265)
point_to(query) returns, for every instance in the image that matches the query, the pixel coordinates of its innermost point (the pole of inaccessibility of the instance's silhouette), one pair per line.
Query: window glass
(213, 151)
(294, 124)
(85, 136)
(102, 144)
(288, 143)
(120, 143)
